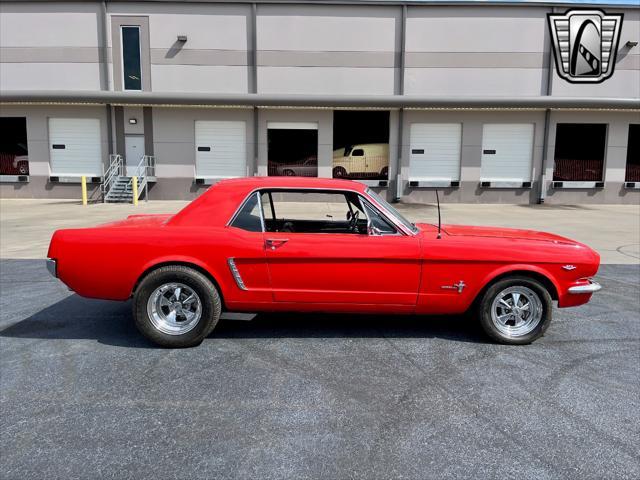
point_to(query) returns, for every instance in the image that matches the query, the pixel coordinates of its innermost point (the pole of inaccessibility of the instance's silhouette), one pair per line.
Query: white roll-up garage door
(221, 149)
(435, 151)
(74, 147)
(507, 151)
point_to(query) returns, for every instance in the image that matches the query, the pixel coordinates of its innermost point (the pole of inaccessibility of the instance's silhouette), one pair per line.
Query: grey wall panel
(148, 130)
(477, 60)
(281, 58)
(326, 80)
(474, 81)
(475, 29)
(327, 28)
(44, 24)
(199, 78)
(50, 76)
(50, 54)
(118, 120)
(174, 137)
(190, 56)
(623, 84)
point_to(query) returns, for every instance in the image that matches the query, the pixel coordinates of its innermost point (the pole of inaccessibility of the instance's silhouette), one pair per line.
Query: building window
(633, 154)
(131, 65)
(579, 153)
(14, 155)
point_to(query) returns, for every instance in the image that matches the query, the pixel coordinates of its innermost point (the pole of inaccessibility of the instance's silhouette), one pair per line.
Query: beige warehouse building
(406, 96)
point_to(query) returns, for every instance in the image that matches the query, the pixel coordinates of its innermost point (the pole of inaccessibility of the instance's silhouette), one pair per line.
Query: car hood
(499, 232)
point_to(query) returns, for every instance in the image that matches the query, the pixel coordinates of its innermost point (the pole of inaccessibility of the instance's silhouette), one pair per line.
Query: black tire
(384, 172)
(529, 285)
(211, 306)
(339, 172)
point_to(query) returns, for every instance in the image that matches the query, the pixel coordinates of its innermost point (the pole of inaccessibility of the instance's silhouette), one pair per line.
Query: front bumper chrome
(590, 287)
(52, 266)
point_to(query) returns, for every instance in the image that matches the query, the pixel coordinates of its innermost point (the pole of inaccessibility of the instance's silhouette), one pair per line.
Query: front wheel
(176, 307)
(516, 310)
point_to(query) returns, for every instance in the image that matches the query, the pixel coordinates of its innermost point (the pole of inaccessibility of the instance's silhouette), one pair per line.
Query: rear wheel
(176, 306)
(516, 310)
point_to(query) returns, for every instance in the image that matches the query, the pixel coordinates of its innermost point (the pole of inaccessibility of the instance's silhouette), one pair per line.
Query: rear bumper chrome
(590, 287)
(52, 266)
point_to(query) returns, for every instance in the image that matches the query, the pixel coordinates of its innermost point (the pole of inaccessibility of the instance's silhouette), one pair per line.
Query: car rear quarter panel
(108, 262)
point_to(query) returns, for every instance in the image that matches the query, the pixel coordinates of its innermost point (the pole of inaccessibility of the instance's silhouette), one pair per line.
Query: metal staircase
(118, 187)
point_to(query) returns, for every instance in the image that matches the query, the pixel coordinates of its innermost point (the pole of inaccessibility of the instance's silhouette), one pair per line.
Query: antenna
(439, 217)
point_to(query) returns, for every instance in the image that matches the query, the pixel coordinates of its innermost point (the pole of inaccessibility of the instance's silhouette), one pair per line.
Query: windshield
(387, 206)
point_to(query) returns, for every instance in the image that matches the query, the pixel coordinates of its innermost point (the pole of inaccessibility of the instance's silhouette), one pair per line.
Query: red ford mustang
(321, 245)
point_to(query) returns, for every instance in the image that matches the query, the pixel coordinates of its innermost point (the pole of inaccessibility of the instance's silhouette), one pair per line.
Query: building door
(133, 151)
(507, 152)
(292, 149)
(74, 147)
(221, 149)
(435, 151)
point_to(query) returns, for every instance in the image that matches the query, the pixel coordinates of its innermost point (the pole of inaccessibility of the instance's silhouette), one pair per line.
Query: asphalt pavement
(83, 395)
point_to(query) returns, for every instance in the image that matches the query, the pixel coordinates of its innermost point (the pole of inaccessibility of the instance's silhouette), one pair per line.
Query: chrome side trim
(236, 274)
(591, 287)
(262, 222)
(52, 266)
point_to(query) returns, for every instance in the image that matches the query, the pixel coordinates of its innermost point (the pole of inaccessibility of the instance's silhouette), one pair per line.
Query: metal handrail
(146, 168)
(115, 169)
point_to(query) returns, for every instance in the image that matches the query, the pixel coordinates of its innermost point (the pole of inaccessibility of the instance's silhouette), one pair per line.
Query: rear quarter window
(248, 217)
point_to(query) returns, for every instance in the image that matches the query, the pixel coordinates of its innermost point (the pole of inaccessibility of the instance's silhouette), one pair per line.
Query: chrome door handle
(274, 243)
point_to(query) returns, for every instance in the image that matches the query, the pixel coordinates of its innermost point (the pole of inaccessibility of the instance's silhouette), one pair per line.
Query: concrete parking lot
(83, 395)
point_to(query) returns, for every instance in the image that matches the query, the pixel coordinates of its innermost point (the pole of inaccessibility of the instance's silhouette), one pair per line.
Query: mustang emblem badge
(585, 44)
(456, 286)
(569, 267)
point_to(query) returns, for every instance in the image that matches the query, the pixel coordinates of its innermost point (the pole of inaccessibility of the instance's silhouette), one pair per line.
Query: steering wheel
(353, 222)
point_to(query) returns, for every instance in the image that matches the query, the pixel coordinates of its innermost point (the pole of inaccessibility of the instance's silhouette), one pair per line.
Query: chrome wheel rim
(174, 308)
(516, 311)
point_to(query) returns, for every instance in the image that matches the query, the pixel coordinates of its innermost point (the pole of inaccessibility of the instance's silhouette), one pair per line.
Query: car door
(357, 161)
(338, 268)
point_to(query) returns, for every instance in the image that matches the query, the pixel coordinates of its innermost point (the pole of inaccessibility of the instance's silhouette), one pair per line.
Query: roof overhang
(205, 100)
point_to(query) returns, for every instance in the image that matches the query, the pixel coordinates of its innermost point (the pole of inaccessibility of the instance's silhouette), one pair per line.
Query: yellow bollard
(135, 190)
(84, 190)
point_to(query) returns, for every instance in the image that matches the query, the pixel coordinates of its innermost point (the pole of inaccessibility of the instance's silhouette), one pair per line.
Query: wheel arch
(193, 264)
(522, 271)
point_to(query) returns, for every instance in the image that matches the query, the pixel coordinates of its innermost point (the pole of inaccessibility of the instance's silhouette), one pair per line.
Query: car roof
(218, 204)
(315, 183)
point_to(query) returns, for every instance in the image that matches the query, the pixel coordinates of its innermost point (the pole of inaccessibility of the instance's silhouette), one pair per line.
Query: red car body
(417, 272)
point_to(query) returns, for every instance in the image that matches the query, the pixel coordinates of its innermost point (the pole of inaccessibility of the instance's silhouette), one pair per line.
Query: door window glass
(313, 212)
